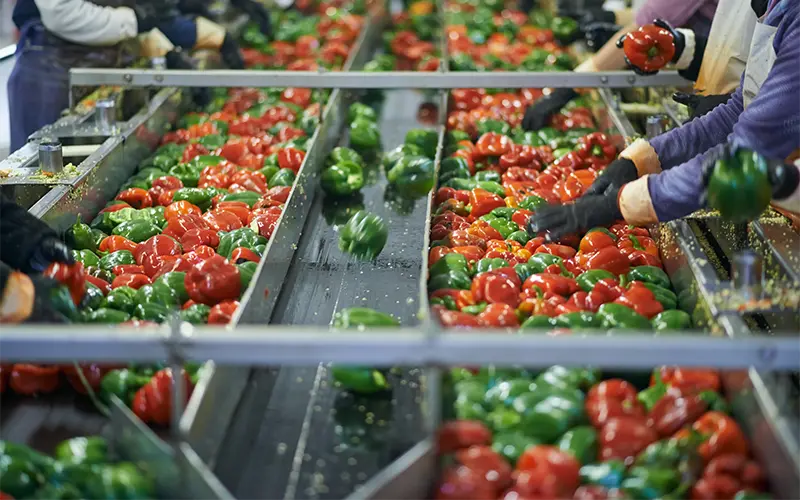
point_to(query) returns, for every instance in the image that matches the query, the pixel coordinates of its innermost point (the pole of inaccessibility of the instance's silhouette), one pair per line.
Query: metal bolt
(159, 78)
(50, 156)
(127, 77)
(631, 79)
(603, 79)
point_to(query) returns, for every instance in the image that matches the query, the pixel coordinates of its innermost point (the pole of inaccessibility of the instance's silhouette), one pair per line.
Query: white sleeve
(83, 22)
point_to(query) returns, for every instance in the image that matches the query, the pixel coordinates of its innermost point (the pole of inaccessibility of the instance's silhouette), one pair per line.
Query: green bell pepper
(536, 322)
(249, 197)
(486, 125)
(671, 320)
(588, 279)
(607, 474)
(211, 141)
(412, 175)
(446, 301)
(511, 445)
(541, 261)
(359, 317)
(426, 140)
(196, 314)
(195, 196)
(650, 274)
(492, 187)
(563, 378)
(242, 237)
(283, 177)
(342, 179)
(391, 158)
(122, 298)
(548, 414)
(503, 212)
(667, 298)
(79, 237)
(486, 265)
(577, 320)
(532, 203)
(505, 392)
(504, 226)
(83, 450)
(357, 110)
(364, 235)
(92, 298)
(651, 395)
(581, 443)
(151, 311)
(104, 315)
(118, 258)
(18, 476)
(86, 257)
(460, 184)
(454, 167)
(454, 278)
(173, 280)
(269, 170)
(739, 186)
(520, 236)
(98, 236)
(61, 300)
(364, 135)
(502, 419)
(246, 271)
(527, 138)
(187, 174)
(650, 483)
(360, 380)
(618, 316)
(122, 480)
(137, 230)
(475, 309)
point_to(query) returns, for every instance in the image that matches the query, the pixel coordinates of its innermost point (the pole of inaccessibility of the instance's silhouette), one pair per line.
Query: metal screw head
(632, 79)
(603, 79)
(159, 78)
(127, 77)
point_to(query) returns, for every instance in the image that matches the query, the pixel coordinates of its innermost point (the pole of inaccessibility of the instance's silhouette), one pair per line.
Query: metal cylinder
(159, 62)
(106, 113)
(50, 156)
(748, 273)
(656, 125)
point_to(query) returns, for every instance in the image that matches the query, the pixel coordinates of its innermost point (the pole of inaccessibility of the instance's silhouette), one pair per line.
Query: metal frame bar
(368, 80)
(303, 346)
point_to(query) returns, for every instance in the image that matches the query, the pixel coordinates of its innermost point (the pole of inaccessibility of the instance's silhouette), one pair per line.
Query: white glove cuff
(284, 4)
(688, 50)
(586, 66)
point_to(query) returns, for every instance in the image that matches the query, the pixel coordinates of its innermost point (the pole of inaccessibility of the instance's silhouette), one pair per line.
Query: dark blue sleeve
(181, 31)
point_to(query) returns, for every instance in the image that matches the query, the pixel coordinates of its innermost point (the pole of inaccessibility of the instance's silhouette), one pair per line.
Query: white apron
(759, 64)
(727, 48)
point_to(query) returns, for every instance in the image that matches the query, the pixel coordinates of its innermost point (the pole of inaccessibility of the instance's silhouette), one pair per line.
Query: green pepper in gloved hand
(412, 175)
(738, 185)
(79, 236)
(364, 235)
(342, 179)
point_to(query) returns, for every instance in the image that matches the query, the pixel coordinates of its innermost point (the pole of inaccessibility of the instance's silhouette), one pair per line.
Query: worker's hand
(257, 13)
(700, 104)
(50, 249)
(598, 34)
(678, 40)
(618, 173)
(587, 212)
(538, 114)
(178, 59)
(231, 53)
(150, 14)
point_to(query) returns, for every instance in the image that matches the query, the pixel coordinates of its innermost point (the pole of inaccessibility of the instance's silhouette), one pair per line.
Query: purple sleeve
(770, 125)
(675, 12)
(694, 137)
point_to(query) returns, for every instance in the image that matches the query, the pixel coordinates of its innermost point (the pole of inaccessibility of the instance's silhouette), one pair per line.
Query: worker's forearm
(83, 22)
(610, 57)
(624, 17)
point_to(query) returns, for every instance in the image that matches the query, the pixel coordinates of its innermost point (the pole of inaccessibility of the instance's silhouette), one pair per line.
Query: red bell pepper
(242, 254)
(623, 438)
(134, 281)
(549, 282)
(694, 379)
(193, 238)
(611, 399)
(70, 275)
(135, 197)
(596, 149)
(498, 315)
(462, 298)
(103, 285)
(675, 410)
(153, 402)
(639, 298)
(726, 475)
(610, 259)
(27, 379)
(483, 202)
(721, 436)
(559, 465)
(222, 313)
(212, 281)
(493, 144)
(451, 319)
(497, 286)
(649, 48)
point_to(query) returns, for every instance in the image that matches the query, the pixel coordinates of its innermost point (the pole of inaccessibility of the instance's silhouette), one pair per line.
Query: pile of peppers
(305, 42)
(488, 36)
(568, 433)
(410, 43)
(79, 468)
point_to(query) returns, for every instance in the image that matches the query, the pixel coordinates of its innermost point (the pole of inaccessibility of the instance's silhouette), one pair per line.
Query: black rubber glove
(759, 7)
(618, 173)
(700, 104)
(49, 250)
(177, 59)
(150, 14)
(231, 53)
(538, 114)
(257, 13)
(679, 42)
(44, 311)
(598, 34)
(195, 7)
(587, 212)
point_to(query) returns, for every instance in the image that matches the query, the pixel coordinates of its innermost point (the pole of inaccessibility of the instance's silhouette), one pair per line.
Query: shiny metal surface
(220, 390)
(50, 159)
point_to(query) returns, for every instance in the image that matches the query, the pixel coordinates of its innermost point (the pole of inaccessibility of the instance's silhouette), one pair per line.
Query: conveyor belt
(314, 440)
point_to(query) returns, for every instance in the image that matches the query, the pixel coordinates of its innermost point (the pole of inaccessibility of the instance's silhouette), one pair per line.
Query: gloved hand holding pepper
(700, 104)
(585, 213)
(257, 13)
(538, 115)
(653, 46)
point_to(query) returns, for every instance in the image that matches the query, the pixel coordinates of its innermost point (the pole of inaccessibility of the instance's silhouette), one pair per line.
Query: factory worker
(254, 10)
(27, 245)
(727, 44)
(661, 180)
(56, 35)
(693, 14)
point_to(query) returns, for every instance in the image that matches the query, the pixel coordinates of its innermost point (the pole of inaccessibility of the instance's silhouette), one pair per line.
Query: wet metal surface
(316, 441)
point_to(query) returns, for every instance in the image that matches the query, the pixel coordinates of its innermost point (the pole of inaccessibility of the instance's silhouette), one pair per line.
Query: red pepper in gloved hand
(649, 48)
(639, 298)
(72, 276)
(596, 149)
(212, 281)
